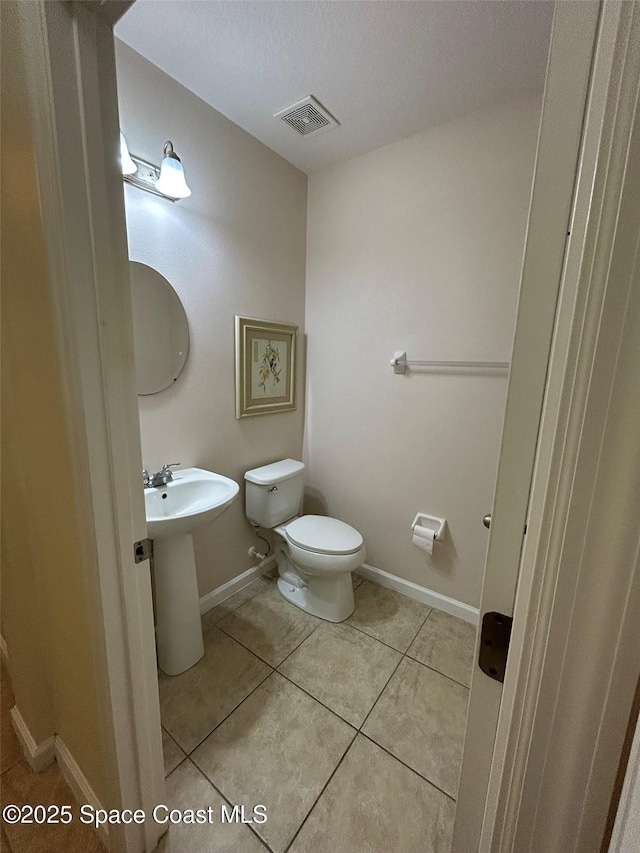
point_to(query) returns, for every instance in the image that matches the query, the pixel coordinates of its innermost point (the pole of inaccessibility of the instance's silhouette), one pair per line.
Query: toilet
(315, 554)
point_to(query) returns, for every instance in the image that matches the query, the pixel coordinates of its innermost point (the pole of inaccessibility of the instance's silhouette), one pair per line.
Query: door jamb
(563, 593)
(72, 97)
(573, 37)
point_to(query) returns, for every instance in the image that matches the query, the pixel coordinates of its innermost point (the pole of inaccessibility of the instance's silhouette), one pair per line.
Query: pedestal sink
(192, 498)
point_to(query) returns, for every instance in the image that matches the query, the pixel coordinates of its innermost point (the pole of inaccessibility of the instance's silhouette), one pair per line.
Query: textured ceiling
(386, 69)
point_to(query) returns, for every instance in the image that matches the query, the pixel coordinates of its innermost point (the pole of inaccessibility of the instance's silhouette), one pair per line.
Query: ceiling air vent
(308, 117)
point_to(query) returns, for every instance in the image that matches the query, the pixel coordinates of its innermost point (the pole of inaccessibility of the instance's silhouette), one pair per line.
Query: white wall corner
(38, 755)
(221, 593)
(421, 593)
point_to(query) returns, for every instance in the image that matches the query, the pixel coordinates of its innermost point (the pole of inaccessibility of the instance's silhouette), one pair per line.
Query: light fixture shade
(171, 181)
(127, 164)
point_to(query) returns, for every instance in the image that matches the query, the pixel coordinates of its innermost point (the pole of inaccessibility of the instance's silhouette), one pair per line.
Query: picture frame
(266, 367)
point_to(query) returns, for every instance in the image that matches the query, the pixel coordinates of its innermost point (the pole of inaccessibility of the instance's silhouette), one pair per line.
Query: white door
(568, 74)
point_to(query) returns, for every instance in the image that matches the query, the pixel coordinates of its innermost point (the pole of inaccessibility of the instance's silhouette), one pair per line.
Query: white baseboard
(38, 755)
(77, 781)
(4, 651)
(216, 596)
(421, 593)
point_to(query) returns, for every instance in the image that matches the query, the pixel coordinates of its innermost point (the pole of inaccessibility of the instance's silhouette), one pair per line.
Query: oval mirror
(160, 330)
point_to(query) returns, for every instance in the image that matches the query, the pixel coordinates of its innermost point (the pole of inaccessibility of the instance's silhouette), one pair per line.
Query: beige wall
(45, 618)
(416, 247)
(237, 246)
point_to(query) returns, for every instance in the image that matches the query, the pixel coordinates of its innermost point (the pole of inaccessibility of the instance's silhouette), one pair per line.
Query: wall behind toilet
(237, 246)
(416, 246)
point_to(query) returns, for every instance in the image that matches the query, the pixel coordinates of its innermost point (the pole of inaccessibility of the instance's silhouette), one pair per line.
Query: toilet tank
(274, 492)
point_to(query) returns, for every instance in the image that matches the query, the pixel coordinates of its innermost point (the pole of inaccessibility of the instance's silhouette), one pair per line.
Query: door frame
(573, 36)
(71, 84)
(73, 103)
(572, 665)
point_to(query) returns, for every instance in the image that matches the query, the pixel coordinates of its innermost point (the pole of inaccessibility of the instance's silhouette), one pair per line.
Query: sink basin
(192, 498)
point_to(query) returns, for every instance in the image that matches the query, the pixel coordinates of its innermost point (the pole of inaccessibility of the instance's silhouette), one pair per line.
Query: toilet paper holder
(431, 522)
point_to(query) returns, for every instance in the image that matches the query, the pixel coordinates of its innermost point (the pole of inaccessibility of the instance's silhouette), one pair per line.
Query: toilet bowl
(315, 554)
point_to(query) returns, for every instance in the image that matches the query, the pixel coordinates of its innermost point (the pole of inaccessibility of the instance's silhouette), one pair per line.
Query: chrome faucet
(161, 478)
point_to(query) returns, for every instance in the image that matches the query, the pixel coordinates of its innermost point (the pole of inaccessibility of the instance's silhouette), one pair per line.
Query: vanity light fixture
(128, 166)
(171, 181)
(167, 180)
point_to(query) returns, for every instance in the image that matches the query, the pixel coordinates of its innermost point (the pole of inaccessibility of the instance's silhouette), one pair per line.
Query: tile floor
(19, 784)
(351, 735)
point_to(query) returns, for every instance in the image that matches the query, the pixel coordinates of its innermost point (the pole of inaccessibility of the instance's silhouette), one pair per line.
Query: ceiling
(386, 69)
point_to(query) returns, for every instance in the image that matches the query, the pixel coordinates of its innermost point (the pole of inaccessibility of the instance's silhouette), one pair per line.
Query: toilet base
(329, 598)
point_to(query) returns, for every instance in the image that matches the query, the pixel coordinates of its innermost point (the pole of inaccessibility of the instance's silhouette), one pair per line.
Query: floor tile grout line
(319, 701)
(298, 646)
(184, 758)
(228, 801)
(427, 619)
(380, 694)
(315, 628)
(430, 607)
(233, 610)
(320, 622)
(362, 631)
(424, 622)
(404, 655)
(324, 788)
(237, 607)
(188, 752)
(226, 717)
(438, 671)
(255, 654)
(408, 766)
(367, 634)
(222, 631)
(165, 729)
(246, 648)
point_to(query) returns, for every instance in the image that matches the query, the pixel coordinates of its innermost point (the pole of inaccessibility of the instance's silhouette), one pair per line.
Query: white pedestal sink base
(193, 497)
(178, 629)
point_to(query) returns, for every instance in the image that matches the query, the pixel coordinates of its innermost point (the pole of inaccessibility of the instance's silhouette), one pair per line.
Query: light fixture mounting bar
(146, 177)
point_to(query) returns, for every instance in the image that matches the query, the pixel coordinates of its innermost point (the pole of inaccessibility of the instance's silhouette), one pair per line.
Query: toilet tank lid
(267, 475)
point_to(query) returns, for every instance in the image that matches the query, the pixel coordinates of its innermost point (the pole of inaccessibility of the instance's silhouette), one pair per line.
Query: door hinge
(494, 644)
(142, 550)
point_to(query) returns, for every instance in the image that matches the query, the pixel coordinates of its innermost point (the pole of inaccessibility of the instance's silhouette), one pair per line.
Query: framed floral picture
(265, 367)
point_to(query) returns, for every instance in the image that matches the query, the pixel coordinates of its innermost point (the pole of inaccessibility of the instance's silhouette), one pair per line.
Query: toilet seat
(323, 535)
